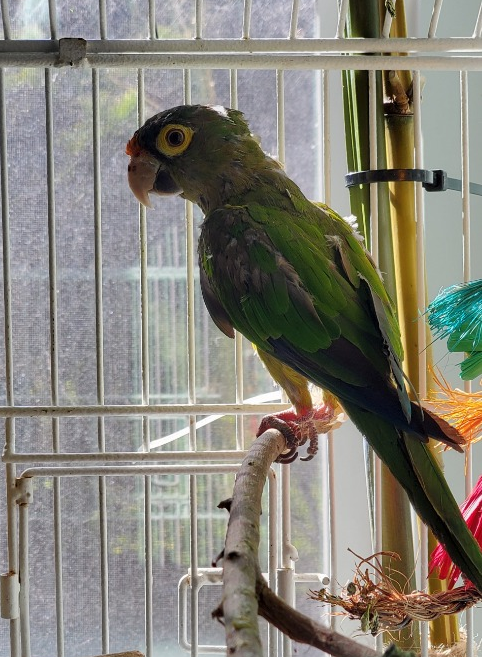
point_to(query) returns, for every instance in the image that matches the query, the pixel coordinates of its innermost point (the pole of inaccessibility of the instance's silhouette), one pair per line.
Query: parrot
(295, 279)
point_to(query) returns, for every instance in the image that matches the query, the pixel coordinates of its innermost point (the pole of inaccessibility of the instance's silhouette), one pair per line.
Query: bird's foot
(298, 428)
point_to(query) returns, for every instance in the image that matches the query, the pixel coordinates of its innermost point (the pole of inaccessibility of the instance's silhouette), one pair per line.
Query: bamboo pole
(364, 21)
(400, 150)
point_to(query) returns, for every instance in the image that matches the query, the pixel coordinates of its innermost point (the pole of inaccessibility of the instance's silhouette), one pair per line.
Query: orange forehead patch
(133, 149)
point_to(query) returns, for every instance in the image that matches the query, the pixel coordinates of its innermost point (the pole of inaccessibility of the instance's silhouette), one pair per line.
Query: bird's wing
(215, 309)
(300, 286)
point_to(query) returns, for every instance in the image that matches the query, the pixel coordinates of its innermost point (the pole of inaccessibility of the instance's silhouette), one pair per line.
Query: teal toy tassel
(456, 314)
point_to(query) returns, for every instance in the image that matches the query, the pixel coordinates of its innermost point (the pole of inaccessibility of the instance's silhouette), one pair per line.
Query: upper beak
(141, 175)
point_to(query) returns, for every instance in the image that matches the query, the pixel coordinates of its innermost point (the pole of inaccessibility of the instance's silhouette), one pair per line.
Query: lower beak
(141, 175)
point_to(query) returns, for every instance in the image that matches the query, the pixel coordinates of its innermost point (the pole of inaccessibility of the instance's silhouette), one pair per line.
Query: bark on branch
(245, 592)
(240, 561)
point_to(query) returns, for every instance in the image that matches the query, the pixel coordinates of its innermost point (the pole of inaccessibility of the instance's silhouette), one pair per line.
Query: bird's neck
(236, 183)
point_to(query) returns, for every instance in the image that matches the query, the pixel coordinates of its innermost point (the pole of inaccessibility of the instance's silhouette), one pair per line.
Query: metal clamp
(72, 51)
(23, 490)
(9, 595)
(435, 180)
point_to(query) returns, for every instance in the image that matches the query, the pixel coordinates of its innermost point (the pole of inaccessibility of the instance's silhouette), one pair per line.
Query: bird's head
(202, 153)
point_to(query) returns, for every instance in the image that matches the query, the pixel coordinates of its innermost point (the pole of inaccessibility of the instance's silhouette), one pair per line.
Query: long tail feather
(414, 467)
(438, 428)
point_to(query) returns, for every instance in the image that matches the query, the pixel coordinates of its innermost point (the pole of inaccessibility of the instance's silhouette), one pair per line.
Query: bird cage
(126, 412)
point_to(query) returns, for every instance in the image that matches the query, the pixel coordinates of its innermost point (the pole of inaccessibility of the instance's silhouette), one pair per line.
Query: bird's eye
(174, 139)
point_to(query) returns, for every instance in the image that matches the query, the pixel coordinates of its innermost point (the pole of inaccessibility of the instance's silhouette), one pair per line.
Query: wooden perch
(245, 592)
(240, 561)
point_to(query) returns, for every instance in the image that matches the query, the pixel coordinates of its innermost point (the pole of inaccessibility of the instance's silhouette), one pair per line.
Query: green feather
(415, 468)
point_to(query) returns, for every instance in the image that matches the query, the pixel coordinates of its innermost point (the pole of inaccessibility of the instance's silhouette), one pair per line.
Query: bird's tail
(425, 422)
(412, 464)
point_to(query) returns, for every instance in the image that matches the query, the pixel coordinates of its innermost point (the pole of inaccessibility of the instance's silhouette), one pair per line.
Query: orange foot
(297, 428)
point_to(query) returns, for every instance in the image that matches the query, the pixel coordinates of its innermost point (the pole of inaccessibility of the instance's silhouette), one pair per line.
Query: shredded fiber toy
(461, 409)
(380, 605)
(456, 314)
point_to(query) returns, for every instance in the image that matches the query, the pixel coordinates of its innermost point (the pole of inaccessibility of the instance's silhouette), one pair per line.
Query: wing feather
(215, 308)
(302, 287)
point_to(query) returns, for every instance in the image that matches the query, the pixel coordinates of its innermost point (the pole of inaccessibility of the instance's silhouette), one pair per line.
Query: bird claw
(288, 457)
(289, 432)
(312, 447)
(297, 429)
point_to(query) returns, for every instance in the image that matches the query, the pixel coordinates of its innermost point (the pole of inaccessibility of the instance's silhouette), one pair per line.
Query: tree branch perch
(246, 594)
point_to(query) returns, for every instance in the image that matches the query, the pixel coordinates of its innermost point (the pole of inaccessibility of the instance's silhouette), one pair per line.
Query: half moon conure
(296, 280)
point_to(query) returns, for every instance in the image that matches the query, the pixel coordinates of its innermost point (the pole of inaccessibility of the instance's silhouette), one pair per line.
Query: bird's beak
(147, 175)
(141, 174)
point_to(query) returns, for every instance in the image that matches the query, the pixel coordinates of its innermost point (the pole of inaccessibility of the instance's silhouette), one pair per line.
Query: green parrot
(296, 280)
